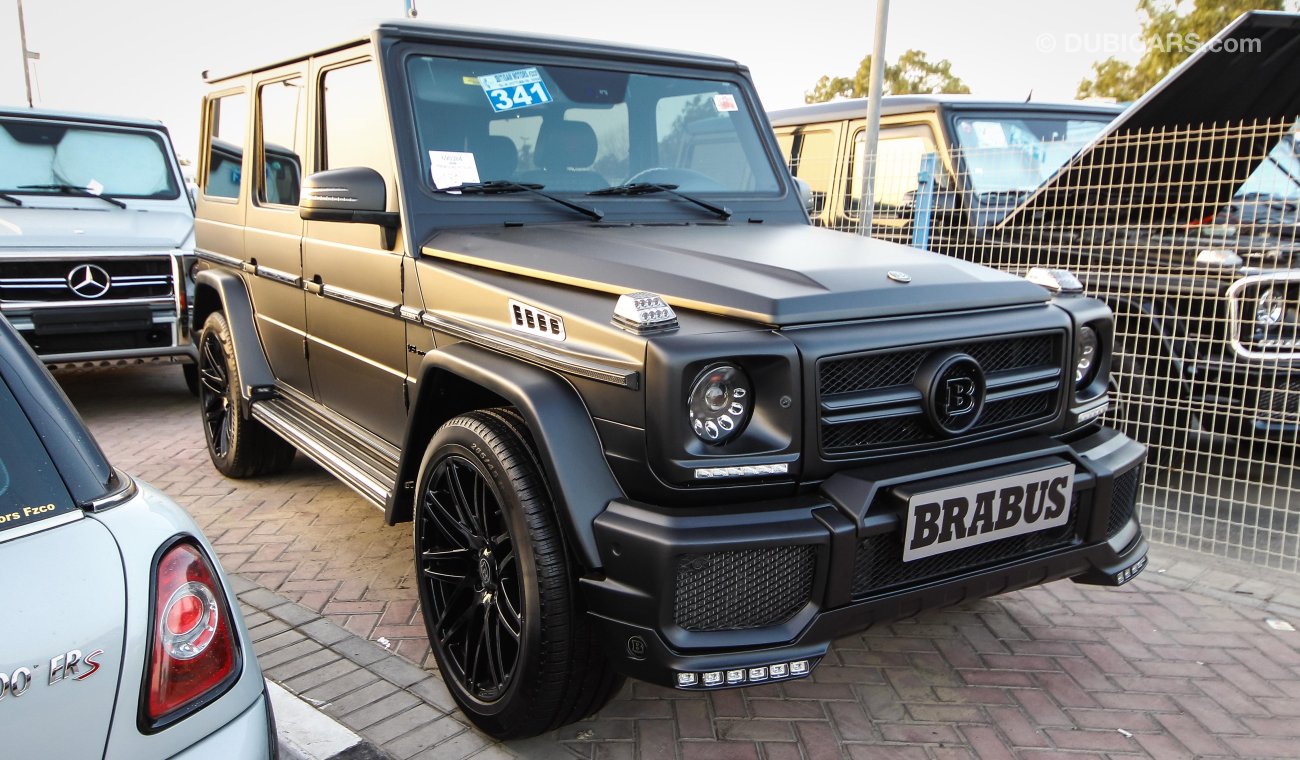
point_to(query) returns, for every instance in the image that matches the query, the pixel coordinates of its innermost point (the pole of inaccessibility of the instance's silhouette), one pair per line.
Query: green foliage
(911, 74)
(1169, 38)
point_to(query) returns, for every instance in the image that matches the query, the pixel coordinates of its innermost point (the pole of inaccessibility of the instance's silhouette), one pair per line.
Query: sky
(146, 57)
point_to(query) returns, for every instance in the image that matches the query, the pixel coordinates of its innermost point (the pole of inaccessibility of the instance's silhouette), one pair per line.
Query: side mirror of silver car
(805, 193)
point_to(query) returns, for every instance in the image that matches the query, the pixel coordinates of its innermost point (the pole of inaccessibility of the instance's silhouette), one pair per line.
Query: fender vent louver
(534, 321)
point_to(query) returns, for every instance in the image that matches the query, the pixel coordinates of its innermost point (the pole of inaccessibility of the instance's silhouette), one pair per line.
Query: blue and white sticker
(514, 89)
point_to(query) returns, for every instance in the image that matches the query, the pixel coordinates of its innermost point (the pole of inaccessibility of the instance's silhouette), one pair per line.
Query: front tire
(497, 586)
(239, 446)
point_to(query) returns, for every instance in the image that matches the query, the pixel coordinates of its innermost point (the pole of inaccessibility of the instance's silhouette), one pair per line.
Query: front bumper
(702, 594)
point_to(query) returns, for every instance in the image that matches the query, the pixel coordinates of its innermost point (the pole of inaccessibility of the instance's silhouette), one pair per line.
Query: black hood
(772, 274)
(1190, 173)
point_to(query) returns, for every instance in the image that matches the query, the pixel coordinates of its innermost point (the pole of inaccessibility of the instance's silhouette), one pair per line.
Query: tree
(911, 74)
(1168, 39)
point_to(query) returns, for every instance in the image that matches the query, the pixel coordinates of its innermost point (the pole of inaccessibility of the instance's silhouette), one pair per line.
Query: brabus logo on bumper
(948, 519)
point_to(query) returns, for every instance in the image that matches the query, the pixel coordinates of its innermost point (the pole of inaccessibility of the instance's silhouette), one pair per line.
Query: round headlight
(720, 403)
(1089, 350)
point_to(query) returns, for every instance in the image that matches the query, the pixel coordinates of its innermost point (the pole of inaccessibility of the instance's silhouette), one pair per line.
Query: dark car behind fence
(1188, 232)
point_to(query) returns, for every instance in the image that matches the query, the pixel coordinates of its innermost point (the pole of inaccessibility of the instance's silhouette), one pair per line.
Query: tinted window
(30, 487)
(281, 109)
(227, 122)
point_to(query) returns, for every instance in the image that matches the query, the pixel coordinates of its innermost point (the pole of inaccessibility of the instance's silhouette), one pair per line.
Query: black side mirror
(354, 194)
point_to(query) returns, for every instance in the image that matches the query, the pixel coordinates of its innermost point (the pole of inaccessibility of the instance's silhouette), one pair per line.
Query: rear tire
(239, 446)
(497, 586)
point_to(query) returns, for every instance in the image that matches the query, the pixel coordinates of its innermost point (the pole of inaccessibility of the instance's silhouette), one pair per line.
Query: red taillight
(192, 653)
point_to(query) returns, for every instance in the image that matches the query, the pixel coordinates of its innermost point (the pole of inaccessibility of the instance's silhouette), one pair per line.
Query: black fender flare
(568, 448)
(232, 296)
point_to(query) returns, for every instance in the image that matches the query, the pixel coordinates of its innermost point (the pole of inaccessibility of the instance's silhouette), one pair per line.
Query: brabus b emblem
(959, 396)
(954, 388)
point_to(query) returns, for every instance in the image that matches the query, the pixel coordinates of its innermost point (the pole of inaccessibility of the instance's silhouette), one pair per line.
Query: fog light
(780, 670)
(713, 679)
(686, 679)
(736, 676)
(758, 674)
(799, 668)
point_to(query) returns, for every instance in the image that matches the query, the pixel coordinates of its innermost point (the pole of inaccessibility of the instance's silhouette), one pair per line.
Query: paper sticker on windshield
(515, 89)
(450, 168)
(725, 102)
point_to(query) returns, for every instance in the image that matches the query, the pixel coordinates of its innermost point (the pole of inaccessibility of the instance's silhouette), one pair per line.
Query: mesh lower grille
(1122, 500)
(879, 563)
(753, 588)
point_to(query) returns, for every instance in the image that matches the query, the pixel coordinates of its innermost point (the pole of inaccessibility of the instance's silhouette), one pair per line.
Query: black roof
(476, 37)
(856, 108)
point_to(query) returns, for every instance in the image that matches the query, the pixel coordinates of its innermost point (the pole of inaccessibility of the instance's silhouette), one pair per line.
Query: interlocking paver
(1181, 660)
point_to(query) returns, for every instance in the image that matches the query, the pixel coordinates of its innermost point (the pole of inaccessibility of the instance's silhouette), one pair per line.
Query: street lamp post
(27, 54)
(877, 83)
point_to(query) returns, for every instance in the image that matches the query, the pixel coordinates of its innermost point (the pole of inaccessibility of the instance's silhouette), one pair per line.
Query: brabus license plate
(953, 518)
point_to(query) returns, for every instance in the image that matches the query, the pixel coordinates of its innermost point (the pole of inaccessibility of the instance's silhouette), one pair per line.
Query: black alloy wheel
(238, 445)
(498, 589)
(469, 562)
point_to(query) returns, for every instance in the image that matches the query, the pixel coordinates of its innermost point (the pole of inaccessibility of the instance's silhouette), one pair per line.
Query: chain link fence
(1188, 233)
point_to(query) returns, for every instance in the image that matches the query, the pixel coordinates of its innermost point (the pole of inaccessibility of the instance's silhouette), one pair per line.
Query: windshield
(49, 157)
(577, 130)
(1013, 155)
(1277, 176)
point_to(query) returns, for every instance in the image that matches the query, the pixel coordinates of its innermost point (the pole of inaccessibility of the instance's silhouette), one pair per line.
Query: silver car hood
(65, 227)
(63, 591)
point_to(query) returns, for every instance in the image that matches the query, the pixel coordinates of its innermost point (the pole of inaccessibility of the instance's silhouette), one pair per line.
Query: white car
(119, 635)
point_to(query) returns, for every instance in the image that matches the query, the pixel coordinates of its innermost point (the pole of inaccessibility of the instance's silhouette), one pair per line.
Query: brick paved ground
(1176, 665)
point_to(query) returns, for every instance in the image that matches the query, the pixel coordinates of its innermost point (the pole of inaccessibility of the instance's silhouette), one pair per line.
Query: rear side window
(227, 123)
(30, 487)
(281, 108)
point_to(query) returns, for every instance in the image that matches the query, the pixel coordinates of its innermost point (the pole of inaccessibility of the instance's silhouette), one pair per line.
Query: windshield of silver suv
(45, 157)
(1015, 154)
(570, 129)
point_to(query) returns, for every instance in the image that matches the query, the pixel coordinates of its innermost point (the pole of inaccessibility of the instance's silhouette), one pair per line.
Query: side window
(281, 108)
(227, 122)
(355, 128)
(812, 159)
(898, 167)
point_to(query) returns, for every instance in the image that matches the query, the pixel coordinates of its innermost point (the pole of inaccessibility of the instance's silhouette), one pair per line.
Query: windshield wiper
(501, 186)
(648, 188)
(10, 198)
(80, 192)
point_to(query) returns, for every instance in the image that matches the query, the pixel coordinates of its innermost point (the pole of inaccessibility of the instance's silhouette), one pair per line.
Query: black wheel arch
(463, 377)
(218, 290)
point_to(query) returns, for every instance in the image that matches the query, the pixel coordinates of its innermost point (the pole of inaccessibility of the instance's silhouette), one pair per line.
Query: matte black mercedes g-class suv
(559, 303)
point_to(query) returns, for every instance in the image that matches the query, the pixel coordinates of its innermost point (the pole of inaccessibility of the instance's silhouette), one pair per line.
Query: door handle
(314, 285)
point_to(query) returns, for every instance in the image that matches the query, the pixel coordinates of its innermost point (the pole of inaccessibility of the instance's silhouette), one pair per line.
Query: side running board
(365, 463)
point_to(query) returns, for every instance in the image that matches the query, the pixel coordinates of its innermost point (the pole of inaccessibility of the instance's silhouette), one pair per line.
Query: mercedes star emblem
(898, 276)
(89, 281)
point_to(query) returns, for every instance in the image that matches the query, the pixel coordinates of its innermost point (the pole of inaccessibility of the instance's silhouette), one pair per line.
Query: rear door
(273, 235)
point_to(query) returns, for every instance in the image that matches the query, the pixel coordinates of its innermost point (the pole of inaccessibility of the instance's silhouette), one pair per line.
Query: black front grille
(879, 563)
(870, 402)
(1122, 500)
(39, 280)
(1282, 401)
(751, 588)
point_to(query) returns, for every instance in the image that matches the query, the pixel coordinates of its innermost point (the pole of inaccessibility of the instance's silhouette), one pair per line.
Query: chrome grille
(870, 402)
(37, 280)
